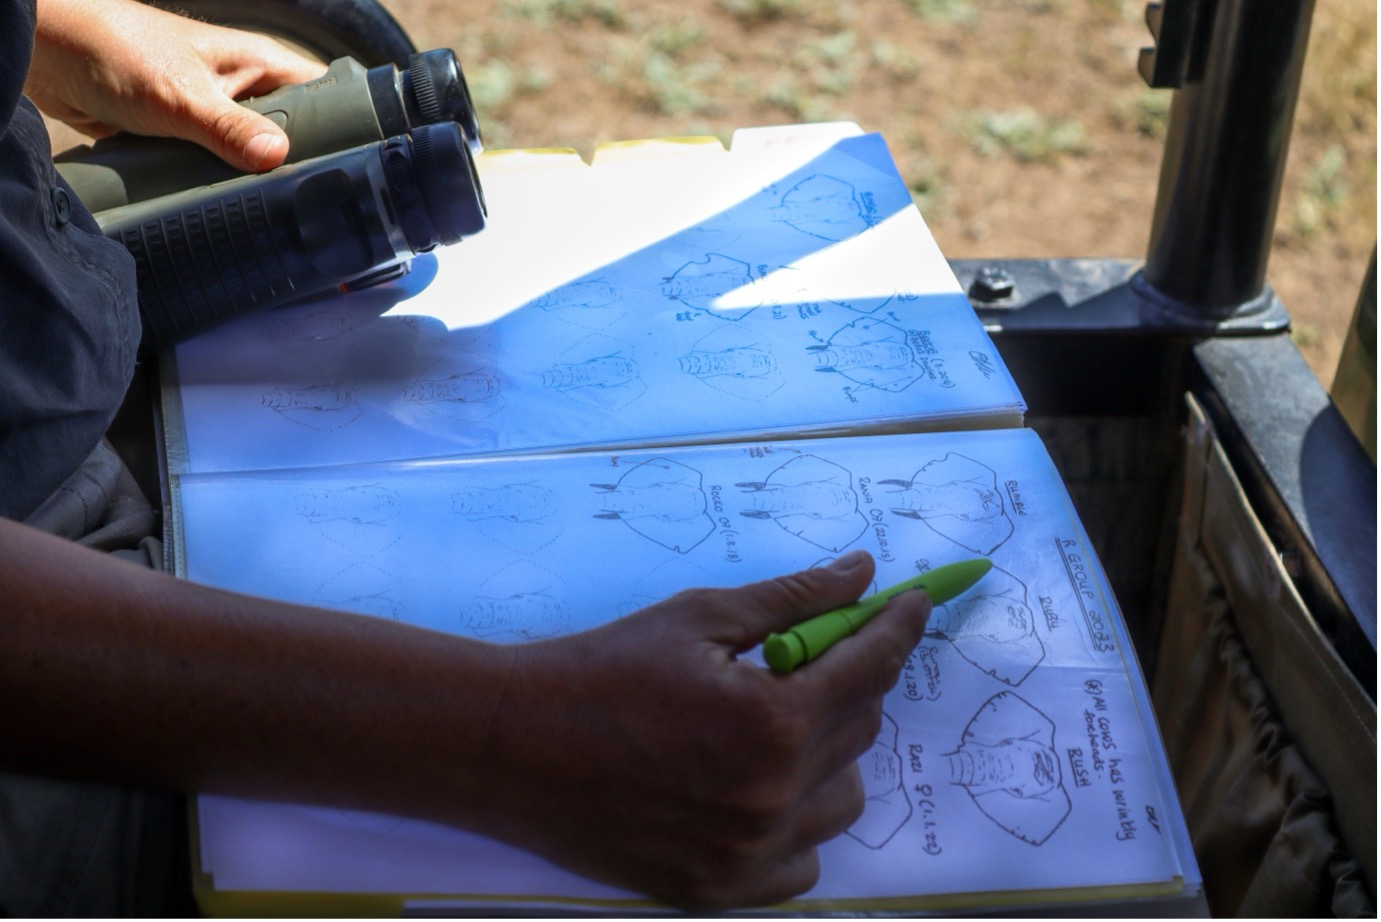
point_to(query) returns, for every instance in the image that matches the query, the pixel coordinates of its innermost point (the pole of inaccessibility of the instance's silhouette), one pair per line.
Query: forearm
(67, 46)
(114, 672)
(645, 753)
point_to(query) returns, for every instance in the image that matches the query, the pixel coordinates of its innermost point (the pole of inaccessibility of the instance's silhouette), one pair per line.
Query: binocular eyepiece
(381, 167)
(432, 89)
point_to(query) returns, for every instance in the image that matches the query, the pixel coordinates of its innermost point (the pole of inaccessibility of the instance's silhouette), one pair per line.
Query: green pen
(807, 640)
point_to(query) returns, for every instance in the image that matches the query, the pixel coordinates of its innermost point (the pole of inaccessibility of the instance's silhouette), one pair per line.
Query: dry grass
(1020, 125)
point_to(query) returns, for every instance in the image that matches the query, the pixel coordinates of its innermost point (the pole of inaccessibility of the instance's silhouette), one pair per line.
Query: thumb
(244, 139)
(777, 604)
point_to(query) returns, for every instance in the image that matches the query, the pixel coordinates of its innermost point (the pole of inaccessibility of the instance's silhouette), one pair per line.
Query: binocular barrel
(211, 253)
(346, 107)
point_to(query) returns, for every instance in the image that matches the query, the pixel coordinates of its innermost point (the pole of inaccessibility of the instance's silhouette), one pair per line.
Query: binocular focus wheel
(327, 29)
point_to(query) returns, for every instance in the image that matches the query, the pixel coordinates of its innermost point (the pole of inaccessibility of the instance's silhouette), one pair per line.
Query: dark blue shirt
(69, 320)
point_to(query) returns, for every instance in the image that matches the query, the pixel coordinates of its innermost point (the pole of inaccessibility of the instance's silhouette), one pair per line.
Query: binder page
(1013, 763)
(783, 290)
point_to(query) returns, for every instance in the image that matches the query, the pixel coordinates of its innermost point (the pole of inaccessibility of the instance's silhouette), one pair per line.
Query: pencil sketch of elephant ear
(958, 498)
(661, 580)
(597, 370)
(662, 500)
(1008, 764)
(323, 407)
(515, 515)
(992, 627)
(458, 387)
(871, 353)
(592, 303)
(364, 589)
(363, 518)
(701, 284)
(732, 361)
(870, 306)
(521, 601)
(811, 498)
(823, 206)
(886, 807)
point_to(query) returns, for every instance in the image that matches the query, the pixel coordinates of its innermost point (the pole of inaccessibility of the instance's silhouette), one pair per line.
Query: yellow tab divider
(655, 148)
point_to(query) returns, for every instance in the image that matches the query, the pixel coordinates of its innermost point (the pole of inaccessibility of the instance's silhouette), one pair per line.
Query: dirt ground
(1021, 125)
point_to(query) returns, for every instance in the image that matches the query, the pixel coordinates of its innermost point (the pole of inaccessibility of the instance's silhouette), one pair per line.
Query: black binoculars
(381, 167)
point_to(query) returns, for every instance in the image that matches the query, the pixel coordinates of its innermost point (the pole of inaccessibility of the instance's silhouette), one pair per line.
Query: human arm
(644, 753)
(104, 66)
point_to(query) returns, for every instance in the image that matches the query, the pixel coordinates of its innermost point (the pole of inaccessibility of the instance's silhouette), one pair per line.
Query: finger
(793, 875)
(241, 137)
(841, 740)
(248, 65)
(757, 609)
(274, 66)
(831, 809)
(826, 813)
(865, 665)
(844, 689)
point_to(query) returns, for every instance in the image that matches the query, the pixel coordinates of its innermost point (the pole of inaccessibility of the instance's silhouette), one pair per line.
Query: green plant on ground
(1323, 190)
(830, 62)
(674, 88)
(1304, 335)
(944, 10)
(607, 12)
(836, 49)
(1025, 134)
(803, 105)
(755, 12)
(654, 71)
(676, 38)
(1146, 111)
(495, 83)
(896, 60)
(929, 189)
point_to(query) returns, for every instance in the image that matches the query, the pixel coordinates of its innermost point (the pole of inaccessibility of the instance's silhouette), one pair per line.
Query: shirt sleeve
(69, 319)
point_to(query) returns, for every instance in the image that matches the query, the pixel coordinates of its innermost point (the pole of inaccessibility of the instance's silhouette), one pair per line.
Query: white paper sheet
(1015, 754)
(783, 290)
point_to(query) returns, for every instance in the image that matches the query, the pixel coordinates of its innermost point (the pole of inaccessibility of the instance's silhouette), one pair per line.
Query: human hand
(647, 754)
(104, 66)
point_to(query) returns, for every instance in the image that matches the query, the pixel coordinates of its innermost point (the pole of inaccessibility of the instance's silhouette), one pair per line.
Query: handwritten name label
(986, 367)
(1014, 494)
(1077, 768)
(921, 675)
(926, 809)
(1077, 569)
(730, 536)
(927, 356)
(880, 533)
(1052, 617)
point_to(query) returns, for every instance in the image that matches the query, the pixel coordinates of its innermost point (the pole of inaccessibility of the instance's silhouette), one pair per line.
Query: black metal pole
(1228, 136)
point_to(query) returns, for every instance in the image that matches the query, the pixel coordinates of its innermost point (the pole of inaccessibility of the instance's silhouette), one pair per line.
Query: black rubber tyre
(328, 29)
